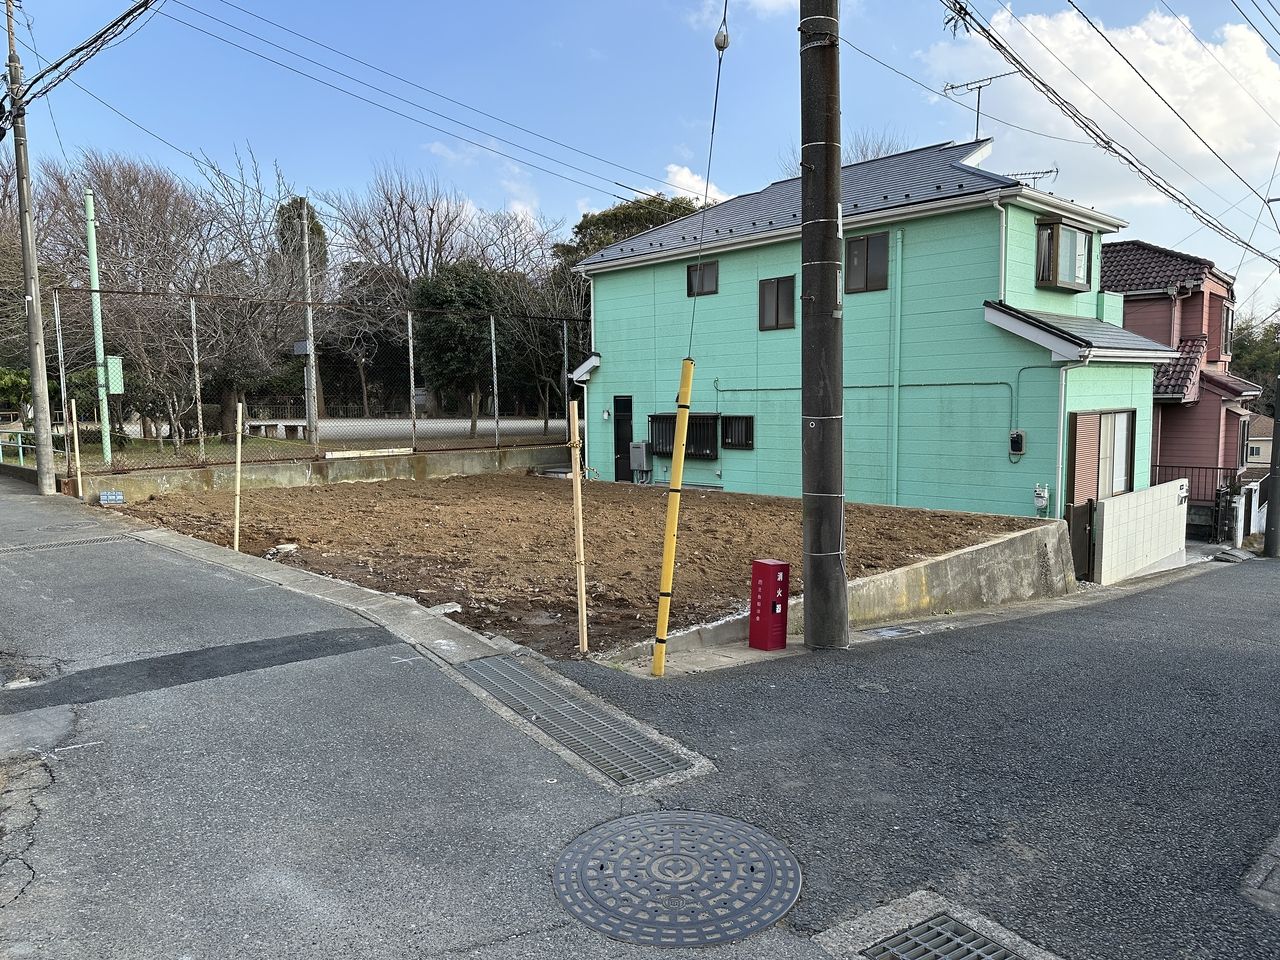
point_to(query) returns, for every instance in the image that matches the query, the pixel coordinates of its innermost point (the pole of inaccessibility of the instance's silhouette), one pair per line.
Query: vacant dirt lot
(502, 546)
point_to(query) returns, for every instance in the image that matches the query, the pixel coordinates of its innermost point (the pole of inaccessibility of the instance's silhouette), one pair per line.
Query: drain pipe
(895, 367)
(1059, 503)
(995, 202)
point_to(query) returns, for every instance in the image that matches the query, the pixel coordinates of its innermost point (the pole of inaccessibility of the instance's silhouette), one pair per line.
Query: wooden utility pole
(826, 586)
(30, 272)
(1271, 543)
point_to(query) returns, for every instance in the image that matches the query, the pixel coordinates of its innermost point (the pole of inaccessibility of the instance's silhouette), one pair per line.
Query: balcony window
(1064, 256)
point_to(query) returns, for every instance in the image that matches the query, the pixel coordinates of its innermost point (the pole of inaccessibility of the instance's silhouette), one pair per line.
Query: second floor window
(867, 263)
(1064, 256)
(704, 278)
(1228, 326)
(778, 303)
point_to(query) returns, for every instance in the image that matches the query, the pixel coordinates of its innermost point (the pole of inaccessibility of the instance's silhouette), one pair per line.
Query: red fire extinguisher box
(770, 590)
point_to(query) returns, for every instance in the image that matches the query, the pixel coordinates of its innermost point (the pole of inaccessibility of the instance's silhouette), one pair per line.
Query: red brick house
(1199, 425)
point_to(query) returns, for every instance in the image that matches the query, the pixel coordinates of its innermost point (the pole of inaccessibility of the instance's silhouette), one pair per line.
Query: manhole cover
(677, 878)
(940, 938)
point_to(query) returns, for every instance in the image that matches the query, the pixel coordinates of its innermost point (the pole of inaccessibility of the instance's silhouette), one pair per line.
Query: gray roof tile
(900, 180)
(1084, 331)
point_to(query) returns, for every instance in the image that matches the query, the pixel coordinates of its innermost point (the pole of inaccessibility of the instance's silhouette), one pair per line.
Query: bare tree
(865, 143)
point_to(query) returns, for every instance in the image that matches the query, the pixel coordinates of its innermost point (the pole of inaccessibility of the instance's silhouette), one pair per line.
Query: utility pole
(1271, 544)
(31, 273)
(826, 585)
(309, 388)
(95, 308)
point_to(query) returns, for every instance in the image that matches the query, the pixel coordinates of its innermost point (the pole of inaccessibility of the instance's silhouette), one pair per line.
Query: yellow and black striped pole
(673, 518)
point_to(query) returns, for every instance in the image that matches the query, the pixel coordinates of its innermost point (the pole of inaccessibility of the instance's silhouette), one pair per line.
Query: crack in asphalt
(17, 829)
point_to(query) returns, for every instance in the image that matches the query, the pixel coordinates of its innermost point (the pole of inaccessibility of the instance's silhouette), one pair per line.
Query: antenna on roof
(970, 87)
(1035, 176)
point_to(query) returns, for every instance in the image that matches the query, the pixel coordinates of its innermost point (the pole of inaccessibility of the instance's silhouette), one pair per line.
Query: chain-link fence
(157, 378)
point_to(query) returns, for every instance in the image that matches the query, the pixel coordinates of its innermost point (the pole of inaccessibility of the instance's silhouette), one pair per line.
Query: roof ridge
(1155, 246)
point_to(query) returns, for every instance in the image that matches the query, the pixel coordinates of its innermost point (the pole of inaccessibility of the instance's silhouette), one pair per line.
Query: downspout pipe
(895, 368)
(995, 202)
(1059, 503)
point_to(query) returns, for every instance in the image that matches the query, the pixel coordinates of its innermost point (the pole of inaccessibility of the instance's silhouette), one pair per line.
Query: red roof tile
(1138, 265)
(1181, 377)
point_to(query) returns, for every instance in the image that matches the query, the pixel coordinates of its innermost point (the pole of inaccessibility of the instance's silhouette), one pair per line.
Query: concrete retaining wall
(1025, 565)
(140, 484)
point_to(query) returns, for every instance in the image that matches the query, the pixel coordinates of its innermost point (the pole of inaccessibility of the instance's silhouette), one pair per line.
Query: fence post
(579, 551)
(413, 390)
(21, 462)
(95, 308)
(195, 363)
(62, 368)
(493, 355)
(564, 376)
(235, 523)
(75, 439)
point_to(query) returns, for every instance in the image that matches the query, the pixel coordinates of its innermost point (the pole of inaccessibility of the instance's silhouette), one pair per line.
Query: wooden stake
(235, 526)
(580, 557)
(75, 441)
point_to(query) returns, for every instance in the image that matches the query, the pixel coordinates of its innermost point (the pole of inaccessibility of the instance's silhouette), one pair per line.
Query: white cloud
(692, 184)
(1190, 77)
(463, 155)
(522, 197)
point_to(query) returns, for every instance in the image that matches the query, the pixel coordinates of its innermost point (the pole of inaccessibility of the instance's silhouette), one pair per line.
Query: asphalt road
(209, 766)
(1098, 779)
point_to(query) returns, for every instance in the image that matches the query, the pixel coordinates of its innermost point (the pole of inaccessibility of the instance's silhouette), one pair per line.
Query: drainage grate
(940, 938)
(88, 542)
(677, 878)
(613, 746)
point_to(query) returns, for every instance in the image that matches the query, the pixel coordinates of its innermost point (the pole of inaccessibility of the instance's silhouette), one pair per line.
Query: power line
(1262, 35)
(1209, 50)
(437, 93)
(1266, 17)
(1101, 99)
(938, 93)
(959, 15)
(48, 103)
(415, 104)
(393, 110)
(1183, 120)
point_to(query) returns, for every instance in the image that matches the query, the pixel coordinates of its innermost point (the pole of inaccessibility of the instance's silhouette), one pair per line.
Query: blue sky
(631, 82)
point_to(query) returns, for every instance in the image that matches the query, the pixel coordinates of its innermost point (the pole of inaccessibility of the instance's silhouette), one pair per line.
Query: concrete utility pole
(826, 586)
(309, 389)
(31, 274)
(95, 308)
(1271, 544)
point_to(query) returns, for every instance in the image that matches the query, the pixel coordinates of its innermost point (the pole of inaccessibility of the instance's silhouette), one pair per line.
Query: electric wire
(960, 15)
(1225, 69)
(706, 183)
(1265, 206)
(1084, 83)
(419, 106)
(399, 113)
(1181, 119)
(1262, 35)
(1266, 17)
(48, 103)
(436, 93)
(959, 103)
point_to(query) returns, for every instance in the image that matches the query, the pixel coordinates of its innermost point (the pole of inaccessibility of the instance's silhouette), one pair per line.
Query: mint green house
(984, 370)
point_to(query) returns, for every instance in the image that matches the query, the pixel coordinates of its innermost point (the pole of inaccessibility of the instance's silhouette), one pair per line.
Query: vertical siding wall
(1118, 386)
(1020, 280)
(963, 383)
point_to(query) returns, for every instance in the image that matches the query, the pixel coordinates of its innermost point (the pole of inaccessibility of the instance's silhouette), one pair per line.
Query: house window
(1255, 453)
(703, 278)
(867, 263)
(1228, 326)
(1064, 256)
(700, 440)
(778, 303)
(1115, 454)
(738, 433)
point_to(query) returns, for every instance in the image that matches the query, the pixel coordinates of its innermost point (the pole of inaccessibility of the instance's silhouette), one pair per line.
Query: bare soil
(501, 545)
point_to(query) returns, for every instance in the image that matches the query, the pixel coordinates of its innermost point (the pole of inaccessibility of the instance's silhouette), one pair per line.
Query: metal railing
(1205, 482)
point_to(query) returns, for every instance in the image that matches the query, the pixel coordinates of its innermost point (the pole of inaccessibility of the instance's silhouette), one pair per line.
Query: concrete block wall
(1140, 532)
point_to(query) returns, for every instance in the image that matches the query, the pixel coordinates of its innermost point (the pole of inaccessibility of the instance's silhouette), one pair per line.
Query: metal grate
(677, 878)
(615, 747)
(88, 542)
(940, 938)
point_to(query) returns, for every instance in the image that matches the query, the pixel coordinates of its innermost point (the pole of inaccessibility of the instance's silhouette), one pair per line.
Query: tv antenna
(1035, 176)
(970, 87)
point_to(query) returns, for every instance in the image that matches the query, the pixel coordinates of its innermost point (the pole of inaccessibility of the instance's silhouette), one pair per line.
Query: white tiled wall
(1140, 531)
